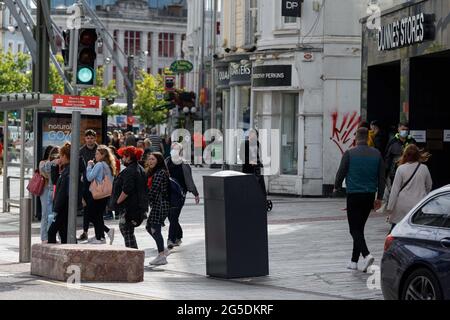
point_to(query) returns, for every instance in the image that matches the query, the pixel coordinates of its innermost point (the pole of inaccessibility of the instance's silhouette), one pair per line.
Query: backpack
(176, 195)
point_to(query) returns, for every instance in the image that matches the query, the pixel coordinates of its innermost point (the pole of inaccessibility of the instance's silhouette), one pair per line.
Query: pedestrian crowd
(134, 178)
(381, 172)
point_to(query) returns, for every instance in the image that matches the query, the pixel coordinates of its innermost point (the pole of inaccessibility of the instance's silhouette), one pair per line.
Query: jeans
(359, 206)
(175, 230)
(155, 232)
(45, 216)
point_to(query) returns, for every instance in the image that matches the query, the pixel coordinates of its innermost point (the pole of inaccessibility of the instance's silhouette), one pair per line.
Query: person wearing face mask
(395, 148)
(181, 172)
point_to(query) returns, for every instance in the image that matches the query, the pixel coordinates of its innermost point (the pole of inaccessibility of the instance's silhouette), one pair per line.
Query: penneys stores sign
(407, 31)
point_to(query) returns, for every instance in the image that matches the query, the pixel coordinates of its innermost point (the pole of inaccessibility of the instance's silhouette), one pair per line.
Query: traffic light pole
(41, 64)
(130, 93)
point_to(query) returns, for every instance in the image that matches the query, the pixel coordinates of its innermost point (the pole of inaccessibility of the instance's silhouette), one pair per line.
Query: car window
(435, 213)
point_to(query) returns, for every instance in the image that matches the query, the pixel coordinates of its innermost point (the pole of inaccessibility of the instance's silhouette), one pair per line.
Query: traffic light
(86, 57)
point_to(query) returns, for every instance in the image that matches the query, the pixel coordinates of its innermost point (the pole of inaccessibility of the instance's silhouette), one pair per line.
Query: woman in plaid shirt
(159, 202)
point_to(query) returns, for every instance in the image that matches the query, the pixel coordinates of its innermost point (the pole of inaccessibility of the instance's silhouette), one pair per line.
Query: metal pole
(41, 65)
(22, 153)
(130, 92)
(202, 61)
(213, 65)
(74, 178)
(25, 230)
(5, 160)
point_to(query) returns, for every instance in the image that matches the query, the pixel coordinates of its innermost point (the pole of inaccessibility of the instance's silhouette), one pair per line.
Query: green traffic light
(85, 75)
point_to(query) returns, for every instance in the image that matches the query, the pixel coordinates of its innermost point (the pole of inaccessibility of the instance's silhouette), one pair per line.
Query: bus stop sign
(68, 104)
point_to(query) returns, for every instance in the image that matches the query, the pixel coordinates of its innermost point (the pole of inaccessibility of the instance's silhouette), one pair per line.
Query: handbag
(37, 184)
(101, 190)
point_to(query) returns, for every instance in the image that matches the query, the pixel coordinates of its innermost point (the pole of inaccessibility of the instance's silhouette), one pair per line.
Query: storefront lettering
(224, 75)
(272, 76)
(408, 31)
(241, 70)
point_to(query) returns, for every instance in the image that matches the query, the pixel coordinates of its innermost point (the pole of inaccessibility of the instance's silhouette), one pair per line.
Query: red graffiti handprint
(343, 134)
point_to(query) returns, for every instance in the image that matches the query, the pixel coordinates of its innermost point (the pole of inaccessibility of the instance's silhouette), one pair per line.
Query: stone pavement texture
(309, 247)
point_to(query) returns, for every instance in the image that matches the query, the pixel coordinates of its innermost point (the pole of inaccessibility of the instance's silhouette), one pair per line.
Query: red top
(1, 148)
(149, 182)
(117, 167)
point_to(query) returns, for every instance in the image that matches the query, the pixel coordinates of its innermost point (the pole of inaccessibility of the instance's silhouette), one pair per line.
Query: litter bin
(235, 226)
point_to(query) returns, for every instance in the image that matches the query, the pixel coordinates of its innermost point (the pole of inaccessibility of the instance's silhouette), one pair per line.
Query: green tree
(13, 72)
(100, 90)
(56, 82)
(147, 105)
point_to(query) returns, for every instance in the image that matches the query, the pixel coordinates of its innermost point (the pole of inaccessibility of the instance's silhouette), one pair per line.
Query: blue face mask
(404, 133)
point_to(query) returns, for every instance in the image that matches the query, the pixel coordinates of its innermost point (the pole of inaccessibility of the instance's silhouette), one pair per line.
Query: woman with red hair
(129, 197)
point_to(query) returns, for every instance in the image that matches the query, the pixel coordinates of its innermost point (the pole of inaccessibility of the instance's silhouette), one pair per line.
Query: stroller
(260, 178)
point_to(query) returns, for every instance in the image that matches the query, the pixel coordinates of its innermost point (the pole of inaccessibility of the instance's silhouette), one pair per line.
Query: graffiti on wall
(344, 128)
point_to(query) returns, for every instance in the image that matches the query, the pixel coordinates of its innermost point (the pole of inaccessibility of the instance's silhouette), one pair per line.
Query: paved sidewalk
(309, 247)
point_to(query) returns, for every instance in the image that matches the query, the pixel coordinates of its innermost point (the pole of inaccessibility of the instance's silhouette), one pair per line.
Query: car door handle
(445, 243)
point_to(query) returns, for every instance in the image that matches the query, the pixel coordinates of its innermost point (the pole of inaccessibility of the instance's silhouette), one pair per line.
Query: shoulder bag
(103, 189)
(409, 180)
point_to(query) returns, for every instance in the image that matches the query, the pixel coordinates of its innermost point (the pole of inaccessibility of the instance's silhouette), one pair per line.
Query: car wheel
(421, 285)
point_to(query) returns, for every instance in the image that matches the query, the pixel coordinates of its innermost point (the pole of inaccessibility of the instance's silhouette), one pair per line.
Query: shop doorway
(383, 95)
(430, 110)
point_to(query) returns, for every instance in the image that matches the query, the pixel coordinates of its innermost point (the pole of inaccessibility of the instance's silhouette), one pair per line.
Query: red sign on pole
(68, 104)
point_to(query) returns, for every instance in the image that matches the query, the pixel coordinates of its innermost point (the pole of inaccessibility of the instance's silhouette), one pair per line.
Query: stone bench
(97, 263)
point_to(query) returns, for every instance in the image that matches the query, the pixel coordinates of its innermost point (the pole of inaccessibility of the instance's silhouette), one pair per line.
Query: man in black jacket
(87, 153)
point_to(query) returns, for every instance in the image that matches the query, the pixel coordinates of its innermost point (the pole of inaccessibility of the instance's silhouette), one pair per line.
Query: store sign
(419, 135)
(446, 135)
(291, 8)
(181, 66)
(240, 73)
(223, 77)
(272, 76)
(68, 104)
(406, 32)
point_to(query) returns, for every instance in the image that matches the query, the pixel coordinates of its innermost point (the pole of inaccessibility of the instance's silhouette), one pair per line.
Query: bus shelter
(19, 127)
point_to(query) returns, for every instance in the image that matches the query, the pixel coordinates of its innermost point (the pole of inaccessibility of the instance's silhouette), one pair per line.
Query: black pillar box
(235, 226)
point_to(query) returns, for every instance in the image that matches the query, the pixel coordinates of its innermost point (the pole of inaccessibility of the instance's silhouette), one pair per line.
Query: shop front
(276, 106)
(404, 76)
(236, 101)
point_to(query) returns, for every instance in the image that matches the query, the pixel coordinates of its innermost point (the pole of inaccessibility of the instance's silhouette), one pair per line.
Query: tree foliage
(56, 82)
(147, 105)
(13, 72)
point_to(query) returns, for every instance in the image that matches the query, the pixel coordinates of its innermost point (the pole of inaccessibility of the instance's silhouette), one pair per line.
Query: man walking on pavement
(363, 169)
(87, 153)
(395, 147)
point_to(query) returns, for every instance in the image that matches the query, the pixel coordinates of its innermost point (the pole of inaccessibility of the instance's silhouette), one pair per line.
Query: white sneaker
(368, 261)
(178, 242)
(167, 252)
(352, 265)
(102, 241)
(111, 236)
(159, 261)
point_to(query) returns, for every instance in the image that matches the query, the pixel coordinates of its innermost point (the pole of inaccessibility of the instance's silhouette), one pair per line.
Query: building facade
(11, 39)
(153, 36)
(404, 69)
(300, 76)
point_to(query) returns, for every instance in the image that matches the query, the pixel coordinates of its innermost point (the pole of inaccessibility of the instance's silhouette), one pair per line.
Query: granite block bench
(96, 263)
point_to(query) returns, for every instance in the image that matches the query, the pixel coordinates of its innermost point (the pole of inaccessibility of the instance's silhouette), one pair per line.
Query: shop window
(244, 108)
(115, 36)
(289, 135)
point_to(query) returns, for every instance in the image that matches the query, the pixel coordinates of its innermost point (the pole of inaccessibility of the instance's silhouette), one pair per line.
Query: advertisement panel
(56, 129)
